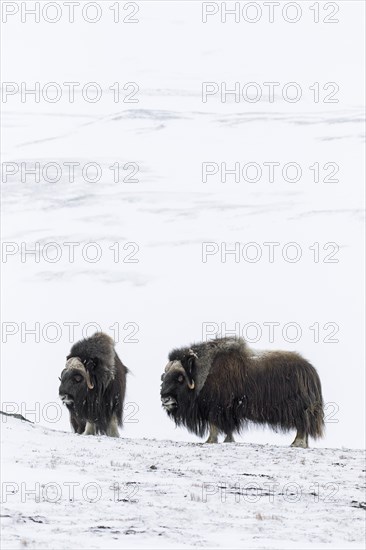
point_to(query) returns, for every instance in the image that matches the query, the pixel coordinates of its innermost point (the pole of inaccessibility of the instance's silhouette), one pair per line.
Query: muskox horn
(88, 381)
(191, 354)
(169, 366)
(172, 364)
(75, 363)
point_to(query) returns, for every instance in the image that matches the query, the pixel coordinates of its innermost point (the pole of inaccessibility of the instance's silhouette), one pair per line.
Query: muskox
(221, 385)
(93, 386)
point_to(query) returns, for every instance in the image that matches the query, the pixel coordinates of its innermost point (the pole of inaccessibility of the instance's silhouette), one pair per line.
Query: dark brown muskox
(93, 386)
(220, 385)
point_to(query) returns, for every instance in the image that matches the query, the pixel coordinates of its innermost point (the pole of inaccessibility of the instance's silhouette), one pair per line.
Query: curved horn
(191, 354)
(88, 381)
(168, 366)
(176, 363)
(190, 384)
(172, 364)
(75, 363)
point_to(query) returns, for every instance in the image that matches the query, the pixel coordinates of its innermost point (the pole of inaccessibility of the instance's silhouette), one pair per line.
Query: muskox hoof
(214, 434)
(112, 429)
(299, 444)
(229, 439)
(113, 433)
(90, 429)
(300, 441)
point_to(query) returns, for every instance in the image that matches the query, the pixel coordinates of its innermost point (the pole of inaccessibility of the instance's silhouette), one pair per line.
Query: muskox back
(234, 385)
(93, 386)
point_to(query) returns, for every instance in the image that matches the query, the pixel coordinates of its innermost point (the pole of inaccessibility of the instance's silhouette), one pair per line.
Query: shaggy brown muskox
(220, 385)
(93, 386)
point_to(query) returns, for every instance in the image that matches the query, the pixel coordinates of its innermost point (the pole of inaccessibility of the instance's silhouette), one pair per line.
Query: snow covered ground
(66, 491)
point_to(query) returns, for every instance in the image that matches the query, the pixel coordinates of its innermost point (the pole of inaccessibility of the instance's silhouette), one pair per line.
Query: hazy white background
(170, 292)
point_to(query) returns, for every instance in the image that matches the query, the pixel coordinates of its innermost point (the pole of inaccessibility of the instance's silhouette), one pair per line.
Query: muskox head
(76, 382)
(178, 382)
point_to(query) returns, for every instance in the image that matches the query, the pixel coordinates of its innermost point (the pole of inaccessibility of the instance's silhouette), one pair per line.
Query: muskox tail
(314, 416)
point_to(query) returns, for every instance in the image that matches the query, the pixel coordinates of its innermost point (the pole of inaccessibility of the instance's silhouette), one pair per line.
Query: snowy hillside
(162, 494)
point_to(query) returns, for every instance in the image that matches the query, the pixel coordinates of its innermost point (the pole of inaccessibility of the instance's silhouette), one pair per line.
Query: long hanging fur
(234, 385)
(108, 377)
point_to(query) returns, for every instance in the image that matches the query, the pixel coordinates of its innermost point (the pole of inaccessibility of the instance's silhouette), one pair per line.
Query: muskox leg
(89, 429)
(77, 425)
(301, 440)
(229, 438)
(112, 429)
(213, 437)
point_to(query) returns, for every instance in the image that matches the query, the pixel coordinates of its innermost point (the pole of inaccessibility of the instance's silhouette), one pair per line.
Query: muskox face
(176, 386)
(75, 384)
